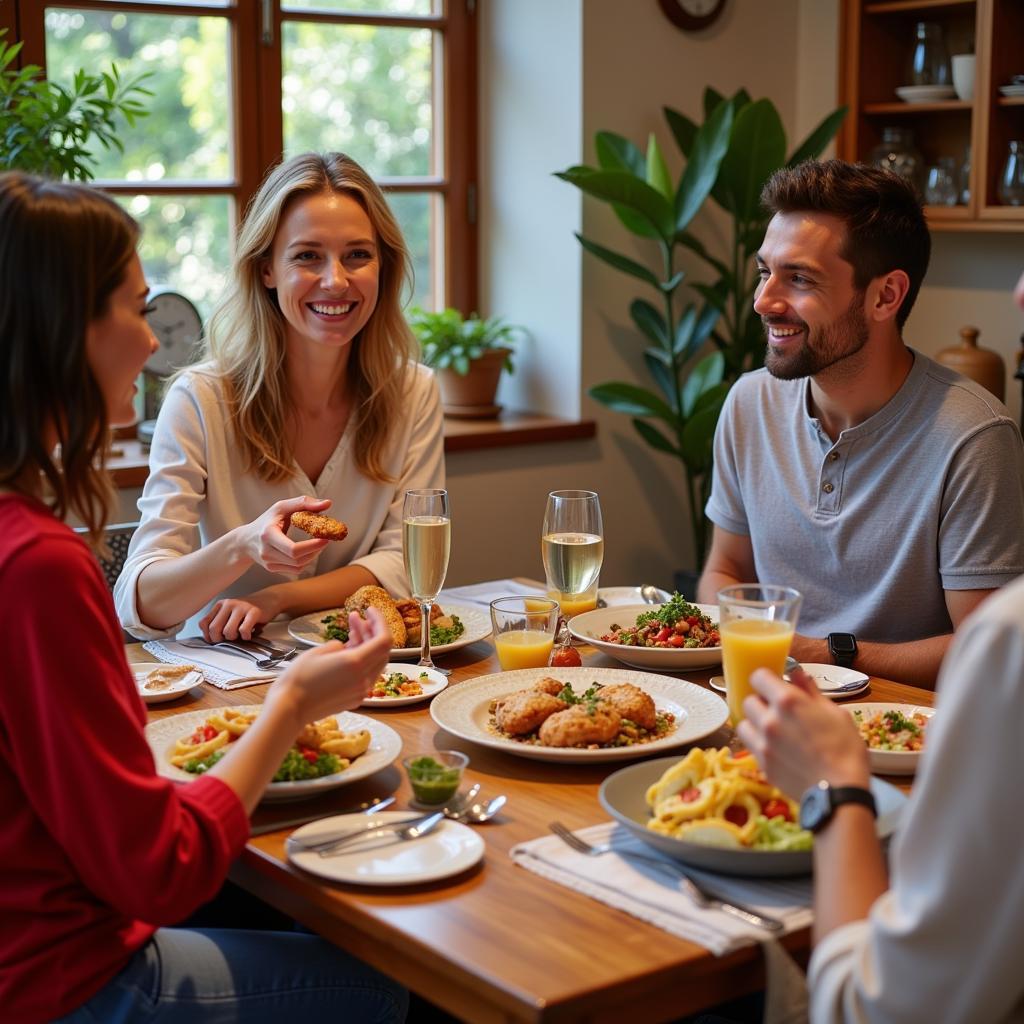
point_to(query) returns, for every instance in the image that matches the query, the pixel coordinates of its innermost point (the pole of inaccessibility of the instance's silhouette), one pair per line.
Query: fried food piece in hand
(523, 712)
(631, 702)
(580, 726)
(379, 598)
(317, 525)
(549, 685)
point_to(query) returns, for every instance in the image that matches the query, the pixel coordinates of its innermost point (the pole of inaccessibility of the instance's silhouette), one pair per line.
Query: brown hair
(885, 225)
(64, 249)
(246, 336)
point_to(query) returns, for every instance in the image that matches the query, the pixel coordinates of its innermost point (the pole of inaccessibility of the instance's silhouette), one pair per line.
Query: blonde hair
(246, 334)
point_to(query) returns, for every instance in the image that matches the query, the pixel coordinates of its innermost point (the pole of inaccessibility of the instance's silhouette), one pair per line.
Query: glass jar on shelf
(1011, 181)
(965, 179)
(929, 60)
(941, 188)
(897, 152)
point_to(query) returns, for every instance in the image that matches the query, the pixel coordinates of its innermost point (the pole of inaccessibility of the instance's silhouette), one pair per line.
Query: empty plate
(834, 682)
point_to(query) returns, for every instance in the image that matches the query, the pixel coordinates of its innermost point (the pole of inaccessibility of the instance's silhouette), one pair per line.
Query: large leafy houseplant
(46, 128)
(694, 352)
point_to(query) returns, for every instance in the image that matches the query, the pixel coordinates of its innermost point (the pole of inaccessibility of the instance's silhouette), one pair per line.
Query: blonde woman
(309, 398)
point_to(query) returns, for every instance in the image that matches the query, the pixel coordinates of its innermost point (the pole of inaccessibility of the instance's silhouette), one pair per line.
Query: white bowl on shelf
(925, 93)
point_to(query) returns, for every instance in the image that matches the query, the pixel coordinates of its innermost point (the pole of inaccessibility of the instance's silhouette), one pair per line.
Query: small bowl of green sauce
(435, 777)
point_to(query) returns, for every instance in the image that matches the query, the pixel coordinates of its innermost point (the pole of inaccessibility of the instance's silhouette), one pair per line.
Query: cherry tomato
(776, 808)
(662, 635)
(309, 755)
(689, 795)
(676, 640)
(737, 815)
(565, 657)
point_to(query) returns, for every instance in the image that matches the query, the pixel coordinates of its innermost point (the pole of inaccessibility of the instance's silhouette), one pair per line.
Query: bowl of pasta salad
(713, 809)
(894, 733)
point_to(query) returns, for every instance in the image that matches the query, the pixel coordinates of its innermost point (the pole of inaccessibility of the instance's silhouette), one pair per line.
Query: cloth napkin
(641, 889)
(482, 594)
(221, 668)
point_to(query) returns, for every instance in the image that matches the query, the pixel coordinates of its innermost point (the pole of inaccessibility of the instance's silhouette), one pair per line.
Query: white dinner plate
(623, 796)
(307, 629)
(433, 684)
(1012, 90)
(830, 679)
(141, 671)
(893, 762)
(925, 93)
(613, 596)
(464, 711)
(591, 626)
(385, 746)
(447, 850)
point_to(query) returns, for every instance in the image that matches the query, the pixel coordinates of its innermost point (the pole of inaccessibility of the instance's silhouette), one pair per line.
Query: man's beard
(823, 347)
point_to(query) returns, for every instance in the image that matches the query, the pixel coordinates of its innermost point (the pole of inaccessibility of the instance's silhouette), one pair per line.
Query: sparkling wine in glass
(426, 543)
(572, 548)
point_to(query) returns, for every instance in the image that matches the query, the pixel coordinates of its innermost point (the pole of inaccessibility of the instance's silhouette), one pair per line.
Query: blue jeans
(224, 976)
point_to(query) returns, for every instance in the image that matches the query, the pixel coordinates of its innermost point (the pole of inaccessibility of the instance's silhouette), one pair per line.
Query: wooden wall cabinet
(876, 42)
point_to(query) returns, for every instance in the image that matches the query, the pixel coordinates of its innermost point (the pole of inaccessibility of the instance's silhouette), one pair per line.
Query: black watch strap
(819, 803)
(842, 647)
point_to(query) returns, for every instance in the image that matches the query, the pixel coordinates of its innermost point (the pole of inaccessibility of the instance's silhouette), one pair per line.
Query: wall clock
(177, 326)
(692, 15)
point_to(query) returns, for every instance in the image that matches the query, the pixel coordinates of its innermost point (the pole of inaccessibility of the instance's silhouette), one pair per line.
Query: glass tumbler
(897, 153)
(941, 188)
(1011, 180)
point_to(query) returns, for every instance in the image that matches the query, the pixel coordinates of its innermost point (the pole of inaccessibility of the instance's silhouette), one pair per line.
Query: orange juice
(747, 645)
(523, 648)
(575, 604)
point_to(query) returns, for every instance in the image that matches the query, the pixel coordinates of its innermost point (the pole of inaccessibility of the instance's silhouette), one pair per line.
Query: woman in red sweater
(98, 853)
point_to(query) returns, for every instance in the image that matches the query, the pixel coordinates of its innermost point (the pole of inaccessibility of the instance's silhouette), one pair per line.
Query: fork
(257, 654)
(697, 893)
(410, 828)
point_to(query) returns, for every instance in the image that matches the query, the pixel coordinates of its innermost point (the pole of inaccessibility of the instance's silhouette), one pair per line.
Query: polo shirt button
(828, 488)
(833, 456)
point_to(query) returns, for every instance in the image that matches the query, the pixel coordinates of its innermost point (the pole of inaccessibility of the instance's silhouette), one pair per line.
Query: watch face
(177, 326)
(842, 643)
(815, 807)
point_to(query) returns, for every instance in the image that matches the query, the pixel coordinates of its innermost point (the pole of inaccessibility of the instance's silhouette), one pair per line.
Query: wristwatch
(819, 803)
(843, 648)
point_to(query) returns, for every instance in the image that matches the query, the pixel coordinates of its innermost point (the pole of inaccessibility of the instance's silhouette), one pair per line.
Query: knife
(367, 807)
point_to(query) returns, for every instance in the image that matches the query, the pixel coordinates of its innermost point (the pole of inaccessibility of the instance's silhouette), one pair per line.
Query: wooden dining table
(497, 942)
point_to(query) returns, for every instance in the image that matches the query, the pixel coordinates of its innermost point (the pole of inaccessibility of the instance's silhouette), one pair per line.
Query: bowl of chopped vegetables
(674, 636)
(894, 733)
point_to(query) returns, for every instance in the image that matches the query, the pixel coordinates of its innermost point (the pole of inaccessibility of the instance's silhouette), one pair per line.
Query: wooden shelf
(876, 42)
(130, 465)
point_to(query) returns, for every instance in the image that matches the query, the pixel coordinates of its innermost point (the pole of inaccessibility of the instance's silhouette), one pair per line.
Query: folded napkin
(222, 668)
(645, 891)
(483, 594)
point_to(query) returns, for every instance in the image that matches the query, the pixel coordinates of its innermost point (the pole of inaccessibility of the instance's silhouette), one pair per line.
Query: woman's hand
(265, 542)
(236, 617)
(800, 737)
(335, 676)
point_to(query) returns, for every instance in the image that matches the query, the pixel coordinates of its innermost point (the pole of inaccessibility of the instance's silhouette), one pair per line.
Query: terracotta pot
(471, 396)
(980, 364)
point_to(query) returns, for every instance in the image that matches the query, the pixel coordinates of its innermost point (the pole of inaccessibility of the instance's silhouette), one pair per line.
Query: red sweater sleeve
(72, 732)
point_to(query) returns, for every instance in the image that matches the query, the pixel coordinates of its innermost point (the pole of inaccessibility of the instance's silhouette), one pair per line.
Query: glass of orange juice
(524, 630)
(756, 624)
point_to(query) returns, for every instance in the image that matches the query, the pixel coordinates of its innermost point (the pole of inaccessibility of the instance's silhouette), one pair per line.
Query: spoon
(481, 810)
(650, 593)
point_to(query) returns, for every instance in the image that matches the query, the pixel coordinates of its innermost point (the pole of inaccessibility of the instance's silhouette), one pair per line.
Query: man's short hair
(885, 225)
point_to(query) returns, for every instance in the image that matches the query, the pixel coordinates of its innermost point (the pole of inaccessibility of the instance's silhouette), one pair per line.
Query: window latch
(267, 18)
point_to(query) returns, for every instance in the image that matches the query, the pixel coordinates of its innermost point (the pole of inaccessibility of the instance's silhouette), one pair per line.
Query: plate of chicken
(579, 714)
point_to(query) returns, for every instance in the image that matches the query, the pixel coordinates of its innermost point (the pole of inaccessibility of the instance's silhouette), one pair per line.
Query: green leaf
(712, 295)
(650, 321)
(657, 361)
(632, 400)
(697, 440)
(658, 176)
(706, 321)
(814, 144)
(616, 153)
(673, 282)
(640, 208)
(704, 376)
(696, 245)
(684, 131)
(712, 397)
(655, 438)
(620, 262)
(712, 98)
(684, 329)
(709, 148)
(757, 147)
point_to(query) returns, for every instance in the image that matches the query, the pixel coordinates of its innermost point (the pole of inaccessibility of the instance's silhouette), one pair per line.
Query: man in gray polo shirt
(884, 487)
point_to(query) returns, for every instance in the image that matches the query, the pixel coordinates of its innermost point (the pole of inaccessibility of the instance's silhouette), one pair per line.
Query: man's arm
(916, 662)
(730, 561)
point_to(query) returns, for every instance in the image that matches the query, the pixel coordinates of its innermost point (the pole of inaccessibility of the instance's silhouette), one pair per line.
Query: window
(239, 82)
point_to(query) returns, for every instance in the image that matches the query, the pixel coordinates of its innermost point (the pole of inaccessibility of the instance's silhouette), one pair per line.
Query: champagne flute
(426, 543)
(572, 548)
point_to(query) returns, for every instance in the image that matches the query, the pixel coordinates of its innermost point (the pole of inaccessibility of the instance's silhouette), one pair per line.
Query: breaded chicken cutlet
(581, 725)
(379, 598)
(631, 702)
(549, 685)
(317, 525)
(523, 712)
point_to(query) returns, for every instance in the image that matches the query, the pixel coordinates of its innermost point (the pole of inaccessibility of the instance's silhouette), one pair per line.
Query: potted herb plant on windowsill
(468, 355)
